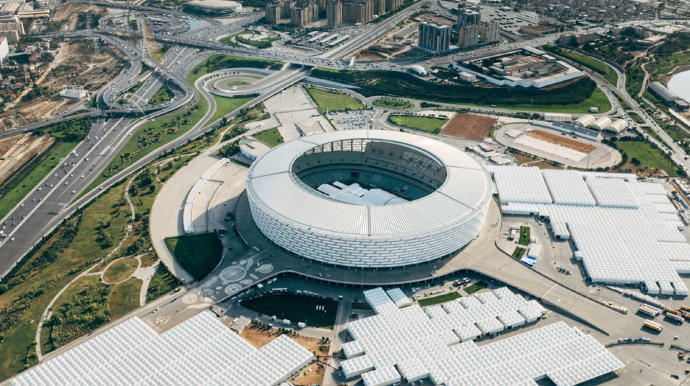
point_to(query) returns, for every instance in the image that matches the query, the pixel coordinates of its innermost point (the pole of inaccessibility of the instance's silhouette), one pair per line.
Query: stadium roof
(465, 192)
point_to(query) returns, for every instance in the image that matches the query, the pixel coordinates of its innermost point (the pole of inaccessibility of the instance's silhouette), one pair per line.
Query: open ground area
(469, 126)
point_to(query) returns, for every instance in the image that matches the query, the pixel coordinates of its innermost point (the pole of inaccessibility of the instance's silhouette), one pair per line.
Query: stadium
(369, 198)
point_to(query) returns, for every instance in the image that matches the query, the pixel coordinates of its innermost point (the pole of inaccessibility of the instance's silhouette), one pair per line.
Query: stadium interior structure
(369, 198)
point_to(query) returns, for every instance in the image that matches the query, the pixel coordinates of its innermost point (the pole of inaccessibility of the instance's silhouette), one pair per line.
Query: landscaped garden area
(524, 235)
(423, 123)
(270, 137)
(295, 307)
(327, 100)
(199, 254)
(439, 299)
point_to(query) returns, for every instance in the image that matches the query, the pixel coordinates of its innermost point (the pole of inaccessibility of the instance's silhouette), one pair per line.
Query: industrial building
(434, 37)
(618, 126)
(369, 198)
(200, 348)
(584, 121)
(601, 123)
(436, 343)
(528, 67)
(11, 28)
(668, 97)
(624, 231)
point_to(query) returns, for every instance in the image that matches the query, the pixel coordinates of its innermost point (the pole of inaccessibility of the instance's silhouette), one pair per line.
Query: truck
(653, 325)
(675, 317)
(685, 308)
(672, 311)
(649, 310)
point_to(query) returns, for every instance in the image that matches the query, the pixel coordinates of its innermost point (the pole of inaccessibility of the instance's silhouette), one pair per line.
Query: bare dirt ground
(81, 66)
(523, 160)
(562, 140)
(311, 375)
(17, 150)
(469, 126)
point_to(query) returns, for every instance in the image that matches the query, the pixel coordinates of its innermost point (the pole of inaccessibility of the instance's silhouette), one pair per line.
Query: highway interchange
(54, 198)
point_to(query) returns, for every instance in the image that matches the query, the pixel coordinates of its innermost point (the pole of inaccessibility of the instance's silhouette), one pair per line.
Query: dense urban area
(344, 192)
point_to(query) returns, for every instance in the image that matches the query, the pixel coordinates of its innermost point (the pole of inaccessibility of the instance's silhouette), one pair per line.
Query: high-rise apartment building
(434, 37)
(334, 14)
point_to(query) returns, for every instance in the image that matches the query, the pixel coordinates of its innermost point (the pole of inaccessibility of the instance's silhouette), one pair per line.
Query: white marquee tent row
(199, 351)
(625, 231)
(436, 343)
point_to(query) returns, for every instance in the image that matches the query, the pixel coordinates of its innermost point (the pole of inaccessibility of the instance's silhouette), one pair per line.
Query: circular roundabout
(369, 198)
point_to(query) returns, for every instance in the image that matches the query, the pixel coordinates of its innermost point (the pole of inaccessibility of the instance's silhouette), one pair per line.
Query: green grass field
(28, 183)
(428, 124)
(161, 283)
(161, 96)
(597, 99)
(636, 118)
(198, 254)
(221, 61)
(518, 253)
(327, 100)
(270, 137)
(296, 308)
(480, 285)
(120, 270)
(524, 235)
(237, 83)
(392, 103)
(225, 106)
(594, 64)
(124, 297)
(439, 299)
(647, 155)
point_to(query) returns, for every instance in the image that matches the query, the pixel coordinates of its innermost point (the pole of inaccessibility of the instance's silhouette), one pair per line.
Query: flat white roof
(629, 237)
(406, 344)
(200, 350)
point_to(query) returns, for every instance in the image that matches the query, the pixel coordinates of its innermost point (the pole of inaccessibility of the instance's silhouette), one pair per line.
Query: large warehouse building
(624, 231)
(369, 198)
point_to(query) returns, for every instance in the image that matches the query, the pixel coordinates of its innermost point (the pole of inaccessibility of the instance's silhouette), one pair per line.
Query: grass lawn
(28, 183)
(475, 287)
(327, 100)
(524, 235)
(593, 64)
(428, 124)
(439, 299)
(296, 308)
(225, 106)
(198, 254)
(597, 99)
(392, 103)
(161, 96)
(648, 156)
(518, 253)
(120, 270)
(636, 118)
(237, 83)
(124, 297)
(161, 283)
(270, 137)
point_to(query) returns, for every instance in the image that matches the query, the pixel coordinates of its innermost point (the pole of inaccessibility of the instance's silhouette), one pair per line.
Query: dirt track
(469, 126)
(562, 140)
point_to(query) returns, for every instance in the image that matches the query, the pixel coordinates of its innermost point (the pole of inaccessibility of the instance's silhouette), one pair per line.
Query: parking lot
(352, 120)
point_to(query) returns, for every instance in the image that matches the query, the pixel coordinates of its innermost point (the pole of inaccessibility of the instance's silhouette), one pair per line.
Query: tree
(3, 288)
(152, 188)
